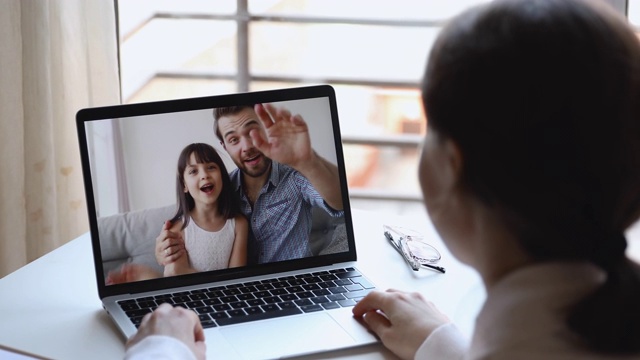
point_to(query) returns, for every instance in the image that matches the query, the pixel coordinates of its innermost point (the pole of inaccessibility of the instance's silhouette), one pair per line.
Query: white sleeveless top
(209, 250)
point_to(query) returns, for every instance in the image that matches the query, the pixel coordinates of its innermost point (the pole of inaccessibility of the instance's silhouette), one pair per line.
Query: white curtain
(56, 57)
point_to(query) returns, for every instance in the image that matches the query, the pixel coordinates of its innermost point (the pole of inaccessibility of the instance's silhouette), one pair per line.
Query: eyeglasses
(411, 245)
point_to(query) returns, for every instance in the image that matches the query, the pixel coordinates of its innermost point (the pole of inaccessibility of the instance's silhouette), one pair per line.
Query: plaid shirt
(280, 221)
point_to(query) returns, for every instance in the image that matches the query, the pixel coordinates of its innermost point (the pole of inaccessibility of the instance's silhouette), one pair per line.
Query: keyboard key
(199, 296)
(335, 297)
(319, 300)
(214, 294)
(326, 284)
(348, 274)
(147, 304)
(129, 307)
(204, 317)
(321, 292)
(347, 303)
(219, 315)
(194, 304)
(289, 297)
(230, 292)
(353, 287)
(280, 284)
(262, 294)
(296, 282)
(270, 307)
(363, 282)
(204, 310)
(238, 305)
(272, 300)
(253, 310)
(311, 308)
(343, 282)
(208, 324)
(236, 313)
(306, 294)
(263, 287)
(255, 302)
(222, 307)
(287, 305)
(228, 299)
(330, 305)
(357, 294)
(294, 289)
(245, 297)
(280, 291)
(328, 277)
(337, 290)
(248, 289)
(180, 299)
(215, 301)
(303, 302)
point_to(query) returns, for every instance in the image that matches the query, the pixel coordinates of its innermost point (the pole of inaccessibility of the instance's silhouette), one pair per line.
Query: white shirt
(209, 250)
(524, 317)
(159, 347)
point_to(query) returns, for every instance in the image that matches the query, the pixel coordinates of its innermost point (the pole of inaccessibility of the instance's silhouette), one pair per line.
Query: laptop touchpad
(294, 335)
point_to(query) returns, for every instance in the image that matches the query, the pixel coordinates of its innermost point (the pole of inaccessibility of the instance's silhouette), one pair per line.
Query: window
(373, 53)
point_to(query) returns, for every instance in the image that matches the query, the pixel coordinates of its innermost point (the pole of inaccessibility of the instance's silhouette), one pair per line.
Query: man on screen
(279, 179)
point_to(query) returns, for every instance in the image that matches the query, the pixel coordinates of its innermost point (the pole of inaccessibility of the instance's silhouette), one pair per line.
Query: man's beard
(260, 170)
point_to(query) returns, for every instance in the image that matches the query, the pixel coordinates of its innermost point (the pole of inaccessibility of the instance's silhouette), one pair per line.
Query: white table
(51, 308)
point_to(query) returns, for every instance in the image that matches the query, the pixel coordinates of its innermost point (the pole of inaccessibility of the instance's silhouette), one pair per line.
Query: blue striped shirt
(280, 221)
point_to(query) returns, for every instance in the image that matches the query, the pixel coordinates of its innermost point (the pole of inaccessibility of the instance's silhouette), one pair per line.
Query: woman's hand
(176, 322)
(169, 245)
(401, 320)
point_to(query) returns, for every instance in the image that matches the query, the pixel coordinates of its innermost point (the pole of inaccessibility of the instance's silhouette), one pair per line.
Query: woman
(531, 173)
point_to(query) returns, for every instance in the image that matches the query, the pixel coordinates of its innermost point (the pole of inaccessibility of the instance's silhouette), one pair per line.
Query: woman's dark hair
(543, 99)
(228, 204)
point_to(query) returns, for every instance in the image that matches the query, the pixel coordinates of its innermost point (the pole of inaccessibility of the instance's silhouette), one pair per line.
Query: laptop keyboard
(264, 299)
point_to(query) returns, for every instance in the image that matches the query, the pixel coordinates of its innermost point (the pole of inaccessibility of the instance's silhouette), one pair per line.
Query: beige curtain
(56, 57)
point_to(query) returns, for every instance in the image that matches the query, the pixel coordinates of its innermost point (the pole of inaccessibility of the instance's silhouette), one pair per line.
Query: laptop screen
(158, 170)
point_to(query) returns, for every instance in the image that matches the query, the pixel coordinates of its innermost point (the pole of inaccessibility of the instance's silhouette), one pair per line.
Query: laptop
(267, 310)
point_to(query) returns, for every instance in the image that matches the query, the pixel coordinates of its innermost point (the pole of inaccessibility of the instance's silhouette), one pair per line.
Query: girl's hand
(169, 245)
(401, 320)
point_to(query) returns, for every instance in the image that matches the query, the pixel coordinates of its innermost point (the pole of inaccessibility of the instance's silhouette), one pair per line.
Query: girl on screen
(208, 222)
(207, 233)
